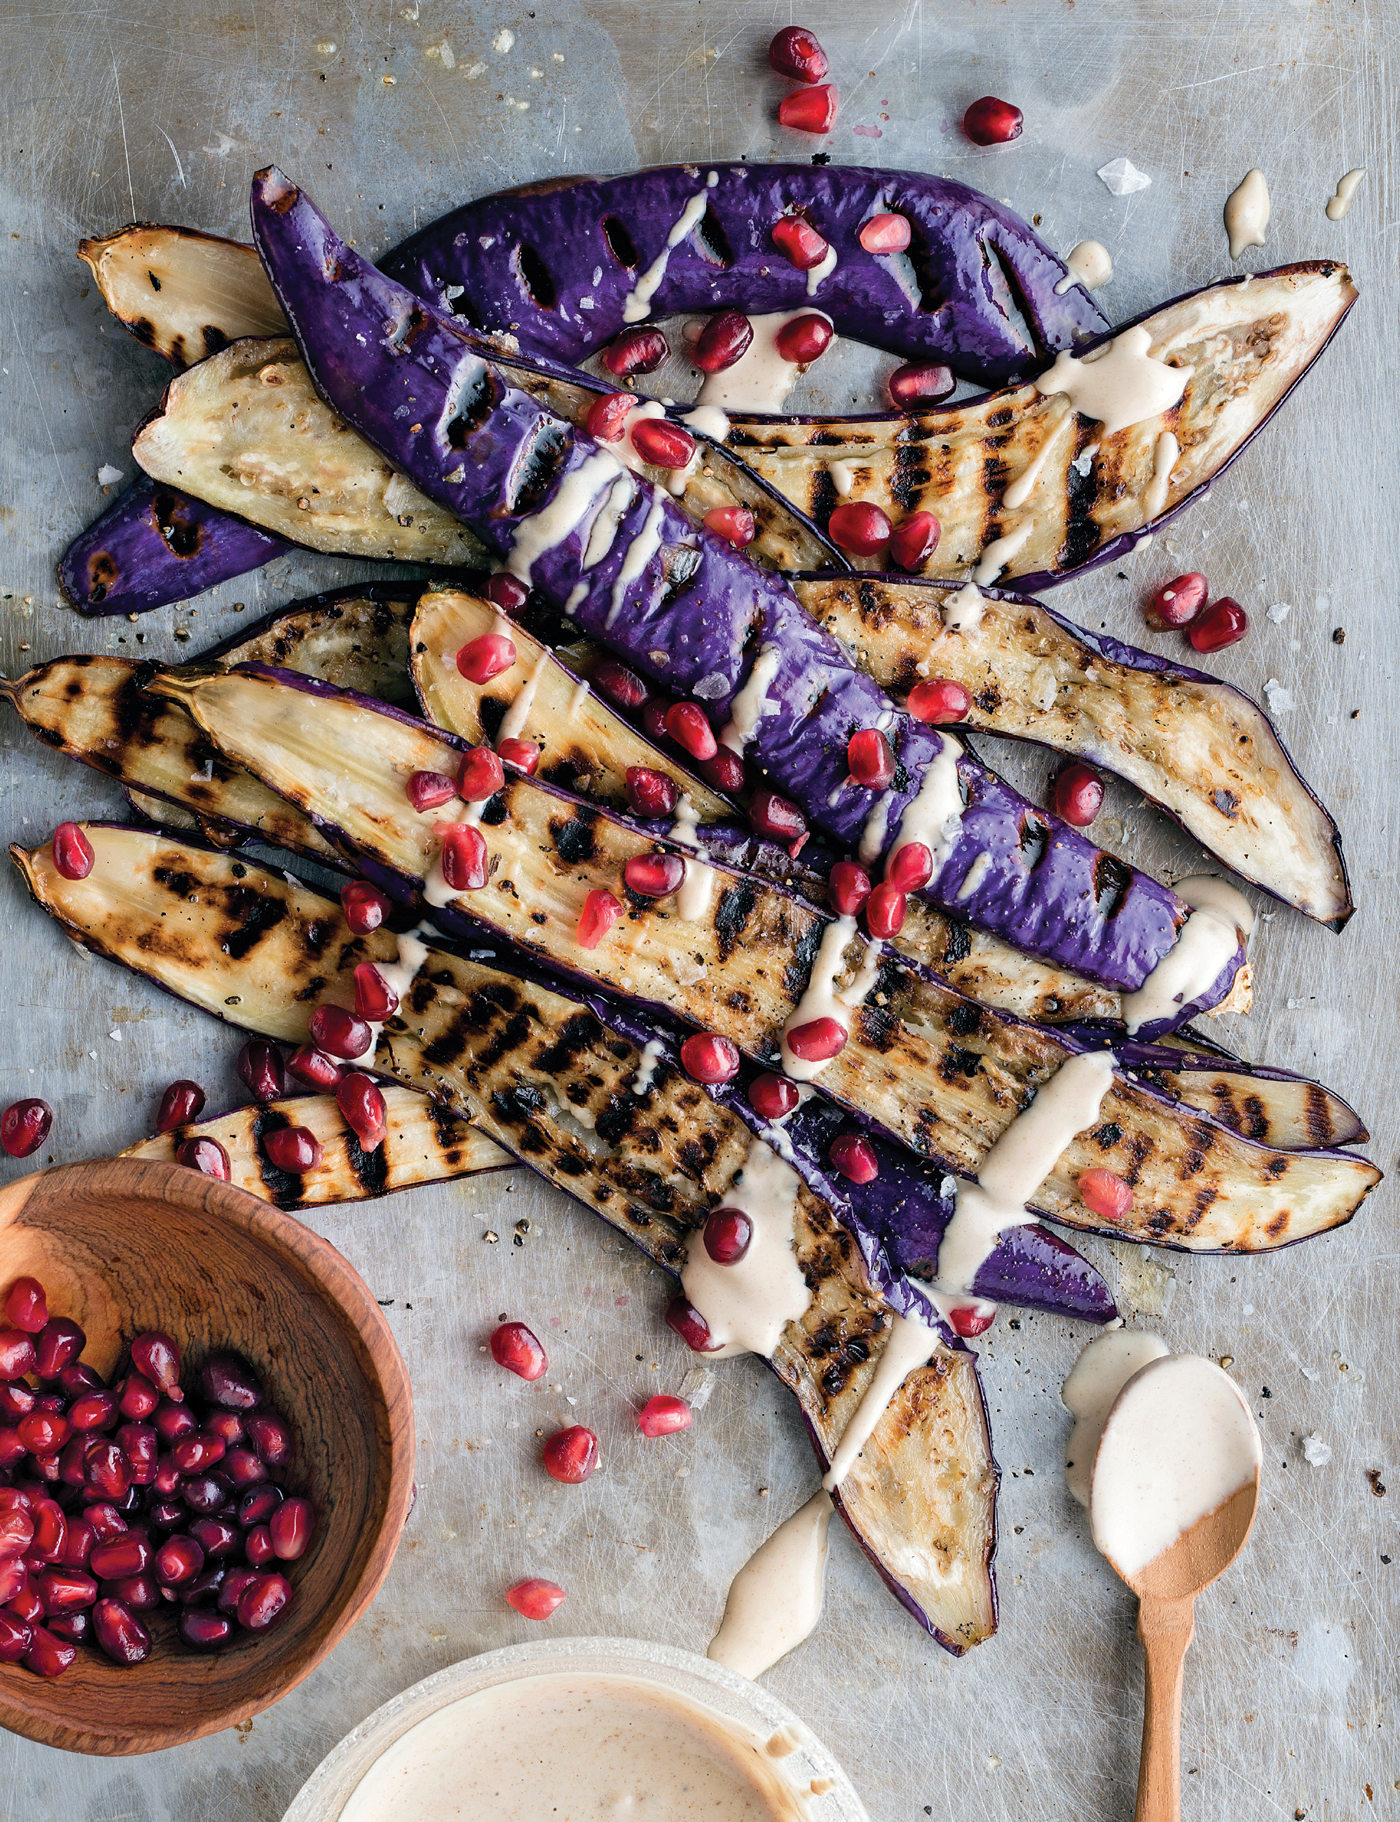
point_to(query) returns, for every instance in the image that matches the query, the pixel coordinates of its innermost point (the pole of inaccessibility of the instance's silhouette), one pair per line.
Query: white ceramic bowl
(325, 1794)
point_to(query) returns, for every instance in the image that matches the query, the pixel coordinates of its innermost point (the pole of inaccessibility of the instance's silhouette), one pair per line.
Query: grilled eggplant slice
(698, 617)
(1194, 745)
(424, 1142)
(1273, 1107)
(356, 637)
(1244, 345)
(157, 544)
(934, 1070)
(181, 292)
(538, 1074)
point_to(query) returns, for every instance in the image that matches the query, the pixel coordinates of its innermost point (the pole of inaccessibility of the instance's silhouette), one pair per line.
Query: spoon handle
(1166, 1628)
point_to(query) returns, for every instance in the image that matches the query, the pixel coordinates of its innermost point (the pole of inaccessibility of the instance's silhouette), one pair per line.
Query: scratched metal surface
(113, 111)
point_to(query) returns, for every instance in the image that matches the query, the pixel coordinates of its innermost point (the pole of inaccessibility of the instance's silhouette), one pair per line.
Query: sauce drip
(1247, 213)
(748, 1305)
(1220, 917)
(775, 1601)
(1089, 265)
(760, 379)
(638, 305)
(1120, 385)
(911, 1345)
(822, 1001)
(1338, 204)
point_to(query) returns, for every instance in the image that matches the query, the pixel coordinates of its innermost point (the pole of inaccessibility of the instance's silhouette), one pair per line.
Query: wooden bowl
(126, 1244)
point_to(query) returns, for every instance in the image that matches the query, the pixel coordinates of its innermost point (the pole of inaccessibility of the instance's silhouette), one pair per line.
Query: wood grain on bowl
(128, 1244)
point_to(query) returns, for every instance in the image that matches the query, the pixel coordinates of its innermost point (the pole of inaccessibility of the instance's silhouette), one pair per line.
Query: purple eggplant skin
(155, 545)
(525, 261)
(381, 357)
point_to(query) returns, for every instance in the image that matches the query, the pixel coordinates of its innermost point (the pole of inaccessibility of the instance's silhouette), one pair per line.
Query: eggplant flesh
(1273, 1107)
(939, 1073)
(181, 292)
(355, 637)
(1244, 344)
(424, 1142)
(696, 613)
(540, 1076)
(1197, 747)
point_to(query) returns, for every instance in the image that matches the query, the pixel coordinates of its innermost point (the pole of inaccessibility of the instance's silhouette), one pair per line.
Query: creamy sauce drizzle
(1026, 482)
(1089, 1393)
(1089, 265)
(823, 270)
(822, 1001)
(935, 815)
(976, 873)
(1001, 551)
(1220, 916)
(776, 1599)
(546, 529)
(1247, 213)
(911, 1345)
(652, 1052)
(750, 703)
(962, 612)
(398, 976)
(638, 305)
(1178, 1443)
(579, 697)
(1120, 385)
(760, 379)
(748, 1305)
(1346, 189)
(843, 477)
(709, 420)
(698, 887)
(600, 539)
(1164, 453)
(521, 703)
(639, 553)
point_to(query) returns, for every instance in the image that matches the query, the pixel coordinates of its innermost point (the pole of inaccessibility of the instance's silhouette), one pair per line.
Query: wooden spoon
(1166, 1589)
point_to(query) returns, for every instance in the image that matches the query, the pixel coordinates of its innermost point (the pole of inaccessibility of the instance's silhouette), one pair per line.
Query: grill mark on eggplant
(574, 840)
(283, 1188)
(1112, 883)
(1082, 533)
(257, 915)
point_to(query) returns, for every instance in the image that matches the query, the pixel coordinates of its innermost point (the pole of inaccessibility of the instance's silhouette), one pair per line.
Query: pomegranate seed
(429, 790)
(230, 1382)
(15, 1587)
(635, 351)
(107, 1470)
(804, 340)
(258, 1504)
(140, 1443)
(524, 755)
(914, 540)
(375, 999)
(486, 657)
(259, 1064)
(819, 1039)
(18, 1354)
(623, 688)
(271, 1435)
(24, 1126)
(989, 122)
(16, 1401)
(314, 1068)
(15, 1638)
(654, 875)
(26, 1601)
(203, 1631)
(725, 339)
(257, 1547)
(870, 759)
(796, 54)
(651, 793)
(600, 912)
(50, 1529)
(293, 1525)
(1178, 602)
(886, 234)
(172, 1421)
(26, 1306)
(481, 776)
(16, 1534)
(858, 527)
(227, 1424)
(735, 524)
(465, 864)
(182, 1102)
(243, 1467)
(910, 866)
(571, 1455)
(66, 1590)
(263, 1602)
(179, 1560)
(362, 1105)
(885, 910)
(854, 1156)
(120, 1634)
(778, 817)
(78, 1377)
(94, 1410)
(967, 1320)
(49, 1655)
(199, 1449)
(507, 592)
(218, 1538)
(205, 1155)
(607, 417)
(654, 715)
(773, 1096)
(728, 1234)
(365, 906)
(44, 1432)
(518, 1350)
(708, 1057)
(690, 1325)
(939, 701)
(663, 1415)
(157, 1358)
(663, 444)
(78, 1544)
(1077, 794)
(1223, 623)
(919, 383)
(687, 726)
(848, 888)
(105, 1520)
(722, 771)
(1104, 1193)
(809, 111)
(129, 1554)
(535, 1599)
(72, 851)
(205, 1493)
(340, 1032)
(797, 240)
(206, 1587)
(293, 1149)
(57, 1345)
